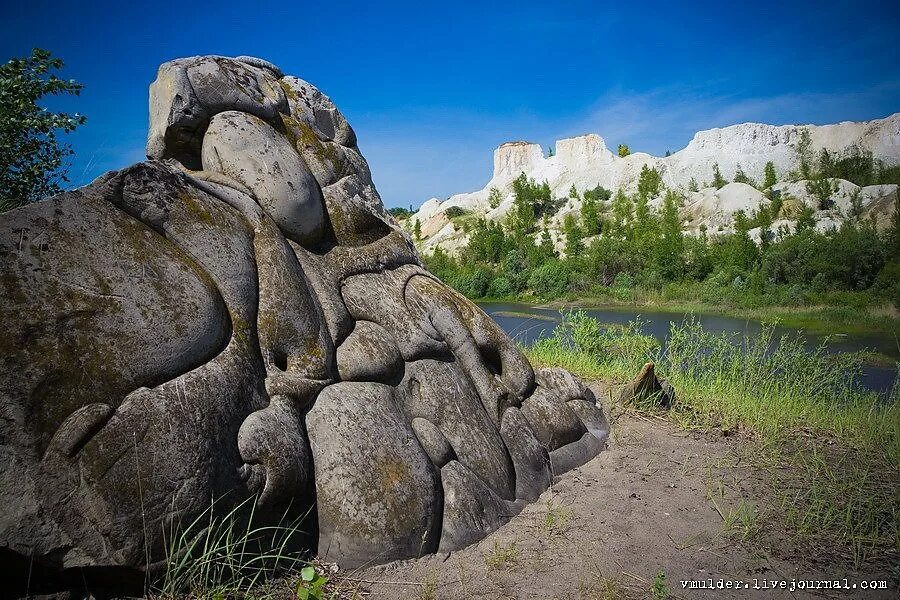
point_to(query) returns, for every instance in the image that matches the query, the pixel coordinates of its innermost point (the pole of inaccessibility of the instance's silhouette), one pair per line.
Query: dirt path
(608, 529)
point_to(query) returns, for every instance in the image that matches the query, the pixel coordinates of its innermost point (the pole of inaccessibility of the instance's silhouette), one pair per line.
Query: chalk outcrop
(238, 319)
(585, 162)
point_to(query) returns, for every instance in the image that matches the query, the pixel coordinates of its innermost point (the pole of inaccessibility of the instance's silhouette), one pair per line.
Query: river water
(527, 323)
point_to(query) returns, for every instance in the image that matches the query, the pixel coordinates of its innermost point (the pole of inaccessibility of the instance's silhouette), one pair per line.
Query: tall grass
(841, 443)
(227, 556)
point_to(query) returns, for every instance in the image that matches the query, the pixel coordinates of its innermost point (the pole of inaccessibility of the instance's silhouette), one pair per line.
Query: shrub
(822, 189)
(455, 211)
(550, 280)
(649, 182)
(500, 287)
(718, 180)
(472, 282)
(494, 198)
(769, 178)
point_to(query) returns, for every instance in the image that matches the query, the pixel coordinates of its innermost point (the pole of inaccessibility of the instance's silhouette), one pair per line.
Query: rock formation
(237, 318)
(585, 162)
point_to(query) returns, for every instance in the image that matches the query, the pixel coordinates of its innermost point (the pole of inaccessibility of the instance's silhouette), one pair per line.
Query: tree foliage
(640, 246)
(718, 181)
(32, 160)
(769, 177)
(649, 183)
(494, 198)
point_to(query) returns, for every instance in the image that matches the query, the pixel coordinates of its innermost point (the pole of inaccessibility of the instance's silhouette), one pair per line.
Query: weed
(226, 556)
(601, 588)
(558, 519)
(502, 557)
(659, 589)
(742, 520)
(429, 587)
(311, 584)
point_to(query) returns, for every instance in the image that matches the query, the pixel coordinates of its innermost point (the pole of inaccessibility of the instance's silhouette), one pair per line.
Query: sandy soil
(658, 500)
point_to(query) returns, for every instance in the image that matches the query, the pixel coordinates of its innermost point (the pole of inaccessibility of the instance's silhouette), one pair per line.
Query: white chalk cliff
(585, 162)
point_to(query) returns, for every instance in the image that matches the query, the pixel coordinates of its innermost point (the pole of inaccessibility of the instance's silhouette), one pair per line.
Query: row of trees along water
(619, 244)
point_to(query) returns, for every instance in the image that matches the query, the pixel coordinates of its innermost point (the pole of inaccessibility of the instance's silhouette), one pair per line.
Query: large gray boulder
(238, 322)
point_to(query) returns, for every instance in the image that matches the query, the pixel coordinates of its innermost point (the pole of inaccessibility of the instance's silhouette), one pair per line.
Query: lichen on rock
(238, 319)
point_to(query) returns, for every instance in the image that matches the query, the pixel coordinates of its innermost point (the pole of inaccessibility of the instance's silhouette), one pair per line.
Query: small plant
(659, 589)
(455, 211)
(311, 585)
(822, 189)
(226, 555)
(558, 519)
(429, 587)
(769, 177)
(718, 180)
(624, 150)
(494, 198)
(742, 520)
(502, 557)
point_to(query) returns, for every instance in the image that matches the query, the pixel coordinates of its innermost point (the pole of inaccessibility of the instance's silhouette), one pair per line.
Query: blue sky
(432, 88)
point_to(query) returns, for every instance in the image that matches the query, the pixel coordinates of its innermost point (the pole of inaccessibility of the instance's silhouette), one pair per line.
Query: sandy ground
(656, 501)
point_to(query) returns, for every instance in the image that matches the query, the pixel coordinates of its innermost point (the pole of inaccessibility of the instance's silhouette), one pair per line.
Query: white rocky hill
(586, 162)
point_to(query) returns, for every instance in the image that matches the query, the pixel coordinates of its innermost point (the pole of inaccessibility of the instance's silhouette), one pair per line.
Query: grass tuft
(226, 556)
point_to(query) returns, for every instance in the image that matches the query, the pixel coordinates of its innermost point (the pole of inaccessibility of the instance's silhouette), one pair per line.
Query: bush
(472, 282)
(500, 287)
(455, 211)
(550, 280)
(887, 282)
(399, 212)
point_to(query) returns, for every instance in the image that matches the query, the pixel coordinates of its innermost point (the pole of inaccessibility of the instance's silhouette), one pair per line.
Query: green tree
(803, 151)
(806, 219)
(718, 180)
(573, 193)
(399, 212)
(550, 279)
(590, 215)
(769, 177)
(670, 249)
(623, 214)
(741, 177)
(822, 189)
(487, 243)
(737, 252)
(521, 219)
(856, 206)
(763, 219)
(574, 236)
(417, 230)
(649, 182)
(494, 198)
(31, 158)
(545, 249)
(441, 264)
(624, 150)
(600, 194)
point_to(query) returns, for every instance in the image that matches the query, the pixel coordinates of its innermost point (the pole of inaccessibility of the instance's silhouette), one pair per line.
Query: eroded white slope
(585, 162)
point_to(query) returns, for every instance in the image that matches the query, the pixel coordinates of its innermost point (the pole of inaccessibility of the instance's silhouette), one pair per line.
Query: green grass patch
(803, 407)
(226, 555)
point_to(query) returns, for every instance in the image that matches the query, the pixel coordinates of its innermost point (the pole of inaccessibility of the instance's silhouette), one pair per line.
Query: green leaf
(308, 573)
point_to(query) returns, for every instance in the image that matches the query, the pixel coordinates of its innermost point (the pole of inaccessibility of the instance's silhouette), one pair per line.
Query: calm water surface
(527, 323)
